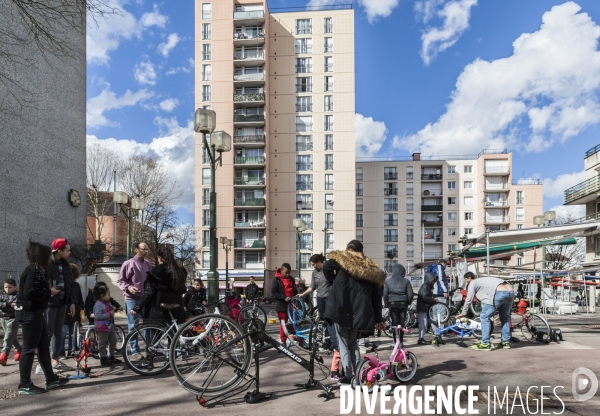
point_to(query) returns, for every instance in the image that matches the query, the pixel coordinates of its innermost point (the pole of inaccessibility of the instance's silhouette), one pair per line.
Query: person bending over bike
(397, 296)
(493, 293)
(195, 298)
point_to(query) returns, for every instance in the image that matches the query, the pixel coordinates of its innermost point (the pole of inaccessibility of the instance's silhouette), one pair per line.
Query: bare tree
(183, 239)
(565, 257)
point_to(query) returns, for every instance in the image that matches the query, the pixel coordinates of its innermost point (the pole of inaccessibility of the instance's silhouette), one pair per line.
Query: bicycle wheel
(210, 355)
(120, 338)
(477, 334)
(153, 349)
(438, 313)
(411, 319)
(360, 379)
(405, 372)
(302, 336)
(91, 333)
(476, 307)
(250, 311)
(387, 326)
(536, 329)
(296, 310)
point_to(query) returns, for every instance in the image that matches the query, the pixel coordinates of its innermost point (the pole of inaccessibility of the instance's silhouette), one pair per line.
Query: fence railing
(304, 166)
(257, 96)
(255, 138)
(582, 189)
(249, 181)
(429, 208)
(249, 202)
(259, 76)
(253, 14)
(431, 176)
(238, 118)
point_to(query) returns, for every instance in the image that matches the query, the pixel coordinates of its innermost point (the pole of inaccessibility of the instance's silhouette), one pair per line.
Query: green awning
(503, 248)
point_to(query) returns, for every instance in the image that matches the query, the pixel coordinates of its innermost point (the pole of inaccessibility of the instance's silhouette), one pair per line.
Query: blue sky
(441, 77)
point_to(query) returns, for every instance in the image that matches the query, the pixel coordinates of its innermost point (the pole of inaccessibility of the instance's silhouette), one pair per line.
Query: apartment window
(451, 200)
(410, 204)
(206, 93)
(303, 27)
(304, 182)
(303, 84)
(390, 174)
(359, 220)
(328, 201)
(205, 238)
(206, 72)
(304, 201)
(307, 219)
(390, 204)
(520, 226)
(468, 184)
(205, 196)
(359, 204)
(468, 200)
(410, 219)
(329, 143)
(410, 250)
(304, 143)
(468, 168)
(329, 221)
(304, 45)
(390, 236)
(328, 162)
(520, 198)
(329, 182)
(359, 174)
(205, 259)
(359, 189)
(328, 45)
(390, 251)
(205, 31)
(305, 261)
(451, 184)
(468, 231)
(303, 162)
(303, 104)
(206, 51)
(205, 157)
(206, 176)
(390, 220)
(519, 261)
(409, 172)
(328, 84)
(451, 169)
(452, 247)
(359, 235)
(328, 25)
(388, 265)
(451, 232)
(328, 67)
(468, 216)
(390, 188)
(303, 123)
(329, 241)
(409, 188)
(329, 103)
(206, 11)
(410, 235)
(303, 65)
(306, 241)
(205, 217)
(451, 216)
(520, 214)
(328, 123)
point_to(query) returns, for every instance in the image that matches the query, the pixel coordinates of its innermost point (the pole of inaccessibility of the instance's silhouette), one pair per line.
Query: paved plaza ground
(118, 390)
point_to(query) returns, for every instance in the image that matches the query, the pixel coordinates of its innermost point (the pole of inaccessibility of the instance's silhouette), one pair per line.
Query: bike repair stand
(256, 396)
(83, 356)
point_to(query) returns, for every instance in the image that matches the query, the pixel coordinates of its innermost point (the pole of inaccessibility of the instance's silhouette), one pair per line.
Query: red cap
(59, 244)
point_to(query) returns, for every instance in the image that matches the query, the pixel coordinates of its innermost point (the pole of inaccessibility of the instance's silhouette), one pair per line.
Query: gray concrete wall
(42, 145)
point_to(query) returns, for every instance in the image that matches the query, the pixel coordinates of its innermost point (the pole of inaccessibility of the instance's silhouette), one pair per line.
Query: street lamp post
(136, 204)
(227, 245)
(205, 122)
(300, 227)
(540, 220)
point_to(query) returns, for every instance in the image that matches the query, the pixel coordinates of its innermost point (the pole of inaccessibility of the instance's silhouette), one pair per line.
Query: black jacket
(397, 288)
(355, 298)
(52, 277)
(193, 298)
(90, 302)
(79, 306)
(34, 289)
(159, 289)
(426, 298)
(251, 291)
(278, 292)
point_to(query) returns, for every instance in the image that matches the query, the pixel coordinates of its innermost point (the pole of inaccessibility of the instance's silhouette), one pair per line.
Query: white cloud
(144, 73)
(569, 212)
(546, 91)
(169, 104)
(370, 135)
(554, 188)
(174, 148)
(176, 70)
(104, 35)
(455, 15)
(108, 100)
(374, 9)
(165, 48)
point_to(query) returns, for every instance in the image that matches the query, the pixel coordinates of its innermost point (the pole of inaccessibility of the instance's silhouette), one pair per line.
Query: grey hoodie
(397, 288)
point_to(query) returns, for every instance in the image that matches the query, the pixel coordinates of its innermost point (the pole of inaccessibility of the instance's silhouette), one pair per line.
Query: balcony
(249, 160)
(248, 78)
(247, 265)
(249, 57)
(593, 150)
(584, 192)
(251, 17)
(433, 239)
(432, 192)
(250, 243)
(497, 220)
(249, 202)
(304, 30)
(496, 187)
(431, 176)
(495, 203)
(390, 176)
(304, 186)
(248, 181)
(433, 254)
(432, 208)
(390, 191)
(304, 166)
(250, 224)
(429, 223)
(254, 97)
(390, 254)
(249, 139)
(303, 69)
(496, 170)
(249, 119)
(304, 87)
(304, 205)
(304, 147)
(249, 37)
(303, 108)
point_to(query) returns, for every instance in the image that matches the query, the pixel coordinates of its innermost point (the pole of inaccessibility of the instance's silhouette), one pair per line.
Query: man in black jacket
(397, 296)
(251, 291)
(424, 301)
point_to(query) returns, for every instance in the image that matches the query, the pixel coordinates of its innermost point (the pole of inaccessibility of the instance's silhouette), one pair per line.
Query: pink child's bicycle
(402, 364)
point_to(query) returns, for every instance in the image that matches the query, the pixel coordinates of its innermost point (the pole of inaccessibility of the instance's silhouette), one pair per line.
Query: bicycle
(402, 364)
(412, 318)
(304, 328)
(249, 311)
(90, 332)
(534, 327)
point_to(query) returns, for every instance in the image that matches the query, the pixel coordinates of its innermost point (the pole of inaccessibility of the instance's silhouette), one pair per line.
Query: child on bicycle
(103, 313)
(90, 302)
(425, 299)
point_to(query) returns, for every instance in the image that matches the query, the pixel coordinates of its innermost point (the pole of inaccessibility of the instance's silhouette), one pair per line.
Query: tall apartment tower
(282, 84)
(407, 209)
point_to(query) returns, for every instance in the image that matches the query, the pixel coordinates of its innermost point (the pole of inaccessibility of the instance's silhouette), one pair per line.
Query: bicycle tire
(477, 333)
(91, 333)
(411, 319)
(249, 311)
(387, 326)
(120, 338)
(362, 371)
(194, 357)
(155, 340)
(476, 307)
(538, 329)
(410, 367)
(438, 313)
(296, 310)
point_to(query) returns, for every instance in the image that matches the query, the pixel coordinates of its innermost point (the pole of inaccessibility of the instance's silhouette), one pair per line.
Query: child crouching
(107, 337)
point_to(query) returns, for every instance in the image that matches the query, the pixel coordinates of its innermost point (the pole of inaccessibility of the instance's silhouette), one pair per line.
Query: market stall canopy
(527, 234)
(481, 251)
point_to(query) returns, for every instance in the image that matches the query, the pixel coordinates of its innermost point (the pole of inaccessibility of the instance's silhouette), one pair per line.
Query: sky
(443, 77)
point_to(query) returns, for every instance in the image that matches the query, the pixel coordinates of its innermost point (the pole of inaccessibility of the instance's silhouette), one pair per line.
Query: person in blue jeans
(494, 294)
(132, 278)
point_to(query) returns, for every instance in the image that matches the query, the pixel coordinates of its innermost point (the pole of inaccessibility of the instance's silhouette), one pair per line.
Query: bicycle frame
(398, 355)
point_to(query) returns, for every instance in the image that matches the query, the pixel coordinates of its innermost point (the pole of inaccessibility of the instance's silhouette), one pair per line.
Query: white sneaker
(135, 357)
(38, 370)
(288, 343)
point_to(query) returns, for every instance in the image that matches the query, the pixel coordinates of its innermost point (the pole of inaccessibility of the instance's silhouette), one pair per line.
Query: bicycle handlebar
(399, 328)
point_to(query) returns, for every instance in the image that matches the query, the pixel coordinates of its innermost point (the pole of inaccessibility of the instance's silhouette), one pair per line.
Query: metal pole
(226, 267)
(128, 233)
(298, 239)
(114, 217)
(212, 276)
(487, 250)
(325, 239)
(422, 253)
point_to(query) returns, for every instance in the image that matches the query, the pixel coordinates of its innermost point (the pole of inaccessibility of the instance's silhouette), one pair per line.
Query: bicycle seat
(170, 306)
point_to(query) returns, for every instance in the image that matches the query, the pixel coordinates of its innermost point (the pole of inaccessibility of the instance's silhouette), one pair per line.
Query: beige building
(282, 84)
(407, 210)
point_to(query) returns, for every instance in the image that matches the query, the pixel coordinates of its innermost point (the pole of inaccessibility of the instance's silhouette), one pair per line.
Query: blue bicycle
(301, 324)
